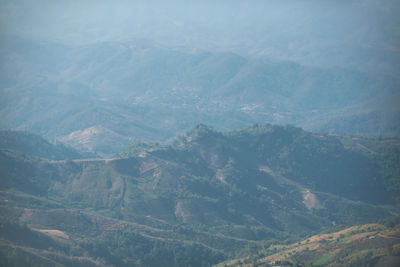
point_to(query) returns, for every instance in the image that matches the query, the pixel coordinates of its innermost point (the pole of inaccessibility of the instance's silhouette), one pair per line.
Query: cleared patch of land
(56, 233)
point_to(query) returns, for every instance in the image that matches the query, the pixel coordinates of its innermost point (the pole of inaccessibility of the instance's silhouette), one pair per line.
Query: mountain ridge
(35, 146)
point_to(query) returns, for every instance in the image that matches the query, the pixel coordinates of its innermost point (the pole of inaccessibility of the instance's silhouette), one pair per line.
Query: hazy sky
(340, 33)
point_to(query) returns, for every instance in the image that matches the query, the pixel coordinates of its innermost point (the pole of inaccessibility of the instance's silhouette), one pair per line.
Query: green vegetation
(207, 197)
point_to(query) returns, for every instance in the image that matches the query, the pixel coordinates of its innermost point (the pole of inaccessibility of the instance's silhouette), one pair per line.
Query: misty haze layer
(357, 34)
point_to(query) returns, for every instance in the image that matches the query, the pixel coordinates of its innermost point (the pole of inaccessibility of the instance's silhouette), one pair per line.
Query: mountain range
(141, 90)
(199, 133)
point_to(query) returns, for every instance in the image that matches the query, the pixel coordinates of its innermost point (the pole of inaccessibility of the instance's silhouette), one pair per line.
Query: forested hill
(357, 168)
(206, 197)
